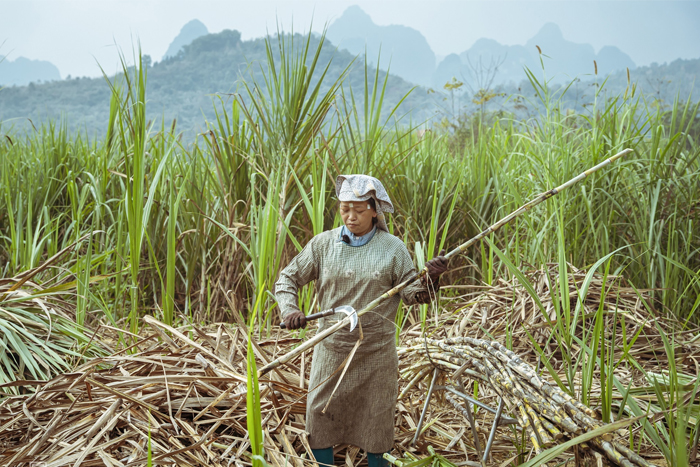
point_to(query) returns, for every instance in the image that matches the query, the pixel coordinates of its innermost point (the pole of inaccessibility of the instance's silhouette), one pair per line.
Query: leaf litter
(180, 394)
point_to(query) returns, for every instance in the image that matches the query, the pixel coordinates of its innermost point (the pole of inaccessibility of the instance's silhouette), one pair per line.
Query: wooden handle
(314, 316)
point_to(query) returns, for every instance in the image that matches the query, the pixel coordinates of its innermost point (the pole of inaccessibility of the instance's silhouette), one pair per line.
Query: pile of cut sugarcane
(544, 411)
(180, 401)
(178, 396)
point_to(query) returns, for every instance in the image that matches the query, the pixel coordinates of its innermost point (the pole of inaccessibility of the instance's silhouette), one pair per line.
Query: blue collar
(353, 240)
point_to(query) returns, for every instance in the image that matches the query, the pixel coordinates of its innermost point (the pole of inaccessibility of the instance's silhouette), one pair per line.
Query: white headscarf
(362, 188)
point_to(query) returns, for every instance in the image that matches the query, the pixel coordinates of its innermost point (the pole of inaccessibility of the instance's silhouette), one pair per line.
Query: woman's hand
(436, 266)
(295, 320)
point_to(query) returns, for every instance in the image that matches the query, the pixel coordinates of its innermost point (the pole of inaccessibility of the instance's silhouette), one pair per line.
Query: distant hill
(188, 33)
(665, 82)
(405, 52)
(654, 84)
(182, 87)
(23, 71)
(489, 61)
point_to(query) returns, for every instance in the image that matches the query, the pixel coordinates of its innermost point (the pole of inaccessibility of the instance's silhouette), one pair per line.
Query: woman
(353, 265)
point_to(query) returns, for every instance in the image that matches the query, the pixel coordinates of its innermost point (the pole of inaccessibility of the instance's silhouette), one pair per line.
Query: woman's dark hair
(373, 203)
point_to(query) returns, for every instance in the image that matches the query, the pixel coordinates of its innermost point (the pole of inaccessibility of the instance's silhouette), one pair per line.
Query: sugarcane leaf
(588, 279)
(545, 360)
(521, 277)
(73, 284)
(633, 405)
(228, 232)
(253, 415)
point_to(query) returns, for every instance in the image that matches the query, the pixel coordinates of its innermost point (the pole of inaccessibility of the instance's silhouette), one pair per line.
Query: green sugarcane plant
(460, 249)
(254, 418)
(133, 137)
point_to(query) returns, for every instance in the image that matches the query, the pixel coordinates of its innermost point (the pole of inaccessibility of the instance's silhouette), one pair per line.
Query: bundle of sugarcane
(544, 411)
(508, 304)
(178, 402)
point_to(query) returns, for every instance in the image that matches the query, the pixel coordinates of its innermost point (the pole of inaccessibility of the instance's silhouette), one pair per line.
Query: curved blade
(349, 311)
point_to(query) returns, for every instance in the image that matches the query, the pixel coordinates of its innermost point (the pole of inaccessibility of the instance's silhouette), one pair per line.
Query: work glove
(436, 266)
(295, 320)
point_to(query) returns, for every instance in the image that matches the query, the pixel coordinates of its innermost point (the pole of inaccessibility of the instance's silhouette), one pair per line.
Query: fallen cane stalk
(460, 249)
(542, 410)
(436, 372)
(492, 434)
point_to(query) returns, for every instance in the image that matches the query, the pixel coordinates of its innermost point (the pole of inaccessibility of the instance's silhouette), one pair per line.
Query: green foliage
(133, 134)
(253, 419)
(40, 337)
(253, 415)
(298, 127)
(201, 228)
(180, 88)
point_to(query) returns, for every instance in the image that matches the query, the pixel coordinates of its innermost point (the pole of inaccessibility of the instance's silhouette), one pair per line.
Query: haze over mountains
(188, 33)
(22, 71)
(186, 86)
(406, 52)
(199, 66)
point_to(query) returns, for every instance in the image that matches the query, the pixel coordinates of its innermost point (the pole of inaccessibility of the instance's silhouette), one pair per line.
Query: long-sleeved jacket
(361, 412)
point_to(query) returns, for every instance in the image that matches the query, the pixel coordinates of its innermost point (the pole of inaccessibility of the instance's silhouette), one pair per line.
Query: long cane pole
(461, 248)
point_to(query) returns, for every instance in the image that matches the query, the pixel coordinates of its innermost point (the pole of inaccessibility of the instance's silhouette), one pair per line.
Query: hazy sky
(77, 34)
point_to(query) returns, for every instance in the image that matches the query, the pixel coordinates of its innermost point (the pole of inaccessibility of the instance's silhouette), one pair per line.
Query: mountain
(656, 85)
(489, 63)
(610, 59)
(23, 71)
(188, 33)
(404, 51)
(186, 87)
(570, 59)
(663, 83)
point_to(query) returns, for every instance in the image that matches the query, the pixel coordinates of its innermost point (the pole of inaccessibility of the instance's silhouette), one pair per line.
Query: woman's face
(357, 216)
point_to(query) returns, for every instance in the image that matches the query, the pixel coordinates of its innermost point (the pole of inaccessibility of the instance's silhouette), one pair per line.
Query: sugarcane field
(312, 279)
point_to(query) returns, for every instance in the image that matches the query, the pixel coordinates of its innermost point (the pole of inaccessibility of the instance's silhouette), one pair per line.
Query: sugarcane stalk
(492, 435)
(444, 364)
(425, 406)
(532, 377)
(456, 405)
(555, 413)
(464, 353)
(450, 361)
(528, 419)
(613, 454)
(460, 249)
(552, 429)
(633, 456)
(531, 434)
(540, 431)
(418, 377)
(475, 434)
(446, 357)
(542, 434)
(535, 402)
(504, 420)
